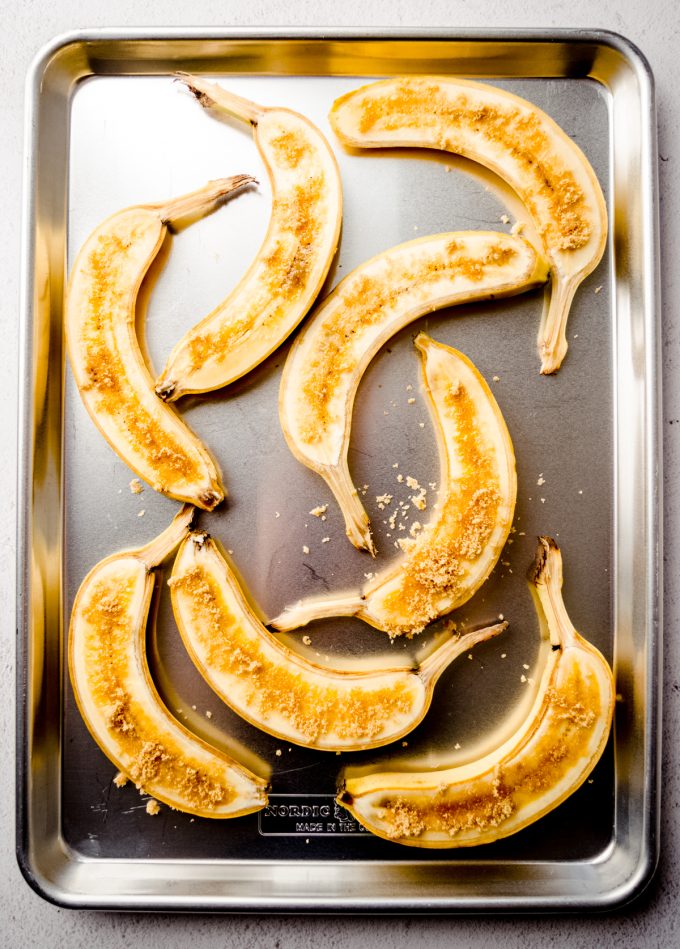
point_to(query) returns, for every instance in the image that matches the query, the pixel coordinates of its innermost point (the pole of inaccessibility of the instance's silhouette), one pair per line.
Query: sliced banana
(457, 550)
(517, 141)
(542, 763)
(380, 297)
(109, 369)
(119, 702)
(292, 263)
(278, 690)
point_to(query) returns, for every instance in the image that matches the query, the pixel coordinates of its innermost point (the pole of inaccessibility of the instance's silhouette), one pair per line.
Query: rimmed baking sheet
(109, 128)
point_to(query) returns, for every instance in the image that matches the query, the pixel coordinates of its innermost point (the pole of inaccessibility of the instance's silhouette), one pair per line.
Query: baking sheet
(586, 457)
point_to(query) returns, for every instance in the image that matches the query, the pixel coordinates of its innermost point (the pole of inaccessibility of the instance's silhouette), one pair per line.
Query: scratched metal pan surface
(108, 128)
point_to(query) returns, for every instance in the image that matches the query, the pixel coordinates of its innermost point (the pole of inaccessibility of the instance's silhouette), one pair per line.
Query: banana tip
(199, 539)
(190, 82)
(165, 391)
(210, 499)
(538, 567)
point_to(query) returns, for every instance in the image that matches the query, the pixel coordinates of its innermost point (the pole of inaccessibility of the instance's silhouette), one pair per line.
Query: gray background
(26, 919)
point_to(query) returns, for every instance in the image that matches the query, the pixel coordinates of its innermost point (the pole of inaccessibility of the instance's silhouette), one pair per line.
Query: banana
(517, 141)
(327, 360)
(291, 265)
(280, 691)
(455, 553)
(119, 702)
(547, 758)
(112, 377)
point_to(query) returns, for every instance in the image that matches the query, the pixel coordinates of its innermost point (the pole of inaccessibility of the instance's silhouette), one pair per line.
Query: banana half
(455, 553)
(119, 702)
(112, 377)
(517, 141)
(291, 265)
(380, 297)
(280, 691)
(542, 763)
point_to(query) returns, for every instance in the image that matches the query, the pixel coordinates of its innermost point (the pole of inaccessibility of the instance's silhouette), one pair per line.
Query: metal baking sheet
(108, 128)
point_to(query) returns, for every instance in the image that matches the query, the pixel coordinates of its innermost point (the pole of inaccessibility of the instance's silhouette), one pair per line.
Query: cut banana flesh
(291, 265)
(328, 359)
(280, 691)
(542, 763)
(517, 141)
(454, 554)
(107, 362)
(119, 702)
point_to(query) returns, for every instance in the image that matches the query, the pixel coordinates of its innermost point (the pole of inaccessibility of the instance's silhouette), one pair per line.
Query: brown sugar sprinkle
(521, 132)
(281, 276)
(104, 369)
(490, 800)
(107, 656)
(290, 148)
(364, 304)
(313, 707)
(436, 561)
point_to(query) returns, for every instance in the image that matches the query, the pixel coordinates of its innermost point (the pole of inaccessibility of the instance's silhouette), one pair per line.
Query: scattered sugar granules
(382, 500)
(419, 500)
(319, 510)
(305, 549)
(325, 540)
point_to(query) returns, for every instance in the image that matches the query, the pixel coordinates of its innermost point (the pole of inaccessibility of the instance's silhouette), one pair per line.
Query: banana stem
(322, 608)
(210, 94)
(552, 335)
(201, 199)
(545, 577)
(432, 667)
(357, 524)
(158, 549)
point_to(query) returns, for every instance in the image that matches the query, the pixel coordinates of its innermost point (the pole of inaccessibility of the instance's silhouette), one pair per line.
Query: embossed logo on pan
(309, 815)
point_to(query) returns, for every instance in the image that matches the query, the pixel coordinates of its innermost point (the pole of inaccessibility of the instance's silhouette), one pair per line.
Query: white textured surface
(28, 921)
